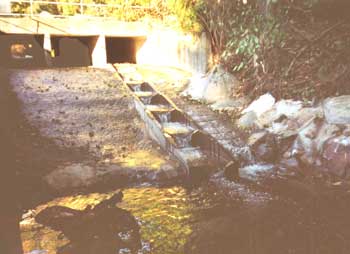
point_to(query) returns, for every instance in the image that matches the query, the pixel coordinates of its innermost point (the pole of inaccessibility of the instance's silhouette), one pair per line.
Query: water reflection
(178, 221)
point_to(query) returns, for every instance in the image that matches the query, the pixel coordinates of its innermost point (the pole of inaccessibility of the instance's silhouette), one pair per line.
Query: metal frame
(81, 4)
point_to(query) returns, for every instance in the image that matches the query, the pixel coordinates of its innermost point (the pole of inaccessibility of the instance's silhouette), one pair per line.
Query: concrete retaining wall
(176, 49)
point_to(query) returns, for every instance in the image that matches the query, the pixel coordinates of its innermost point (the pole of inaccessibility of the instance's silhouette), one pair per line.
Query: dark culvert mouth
(123, 49)
(72, 51)
(22, 50)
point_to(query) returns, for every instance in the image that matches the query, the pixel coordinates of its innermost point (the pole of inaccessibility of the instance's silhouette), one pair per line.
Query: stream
(197, 220)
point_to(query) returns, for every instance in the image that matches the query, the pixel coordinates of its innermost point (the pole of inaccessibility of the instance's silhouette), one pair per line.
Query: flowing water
(176, 220)
(166, 216)
(164, 117)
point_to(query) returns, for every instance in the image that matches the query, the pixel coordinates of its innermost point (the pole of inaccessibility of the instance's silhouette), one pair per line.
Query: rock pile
(298, 135)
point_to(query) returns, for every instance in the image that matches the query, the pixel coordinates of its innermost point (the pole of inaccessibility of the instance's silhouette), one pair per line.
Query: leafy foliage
(181, 12)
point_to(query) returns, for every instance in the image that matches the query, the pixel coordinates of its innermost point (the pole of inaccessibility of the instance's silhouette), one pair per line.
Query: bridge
(95, 40)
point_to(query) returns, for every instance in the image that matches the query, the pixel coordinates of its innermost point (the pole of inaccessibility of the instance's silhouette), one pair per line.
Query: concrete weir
(170, 128)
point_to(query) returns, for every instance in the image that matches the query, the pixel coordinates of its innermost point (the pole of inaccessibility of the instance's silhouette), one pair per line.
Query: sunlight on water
(143, 158)
(165, 216)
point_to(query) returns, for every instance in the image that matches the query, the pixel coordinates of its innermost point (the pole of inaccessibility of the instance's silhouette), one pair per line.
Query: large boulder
(310, 141)
(250, 115)
(337, 110)
(217, 85)
(282, 108)
(261, 105)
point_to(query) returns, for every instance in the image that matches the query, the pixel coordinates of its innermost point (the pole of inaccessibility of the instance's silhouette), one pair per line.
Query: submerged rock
(337, 110)
(257, 172)
(72, 176)
(104, 228)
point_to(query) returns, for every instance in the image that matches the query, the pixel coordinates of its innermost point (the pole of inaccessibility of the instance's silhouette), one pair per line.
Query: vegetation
(291, 48)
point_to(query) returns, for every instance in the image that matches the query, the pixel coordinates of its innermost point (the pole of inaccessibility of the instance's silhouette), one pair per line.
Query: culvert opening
(72, 51)
(22, 50)
(123, 49)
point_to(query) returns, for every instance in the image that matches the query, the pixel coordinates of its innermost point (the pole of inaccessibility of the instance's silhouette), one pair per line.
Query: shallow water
(165, 216)
(176, 220)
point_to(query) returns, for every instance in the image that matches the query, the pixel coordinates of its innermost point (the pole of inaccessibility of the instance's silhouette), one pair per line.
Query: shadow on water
(178, 220)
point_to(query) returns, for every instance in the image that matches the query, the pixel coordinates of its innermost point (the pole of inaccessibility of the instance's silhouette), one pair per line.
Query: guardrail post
(81, 7)
(31, 8)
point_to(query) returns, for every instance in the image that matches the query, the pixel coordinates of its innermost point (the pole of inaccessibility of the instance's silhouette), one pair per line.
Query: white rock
(288, 108)
(337, 110)
(261, 105)
(216, 86)
(247, 121)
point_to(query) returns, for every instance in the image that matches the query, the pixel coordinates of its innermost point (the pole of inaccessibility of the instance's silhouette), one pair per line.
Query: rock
(256, 137)
(170, 172)
(72, 176)
(38, 252)
(294, 122)
(266, 152)
(346, 131)
(286, 108)
(216, 86)
(291, 163)
(231, 170)
(263, 146)
(229, 105)
(336, 155)
(337, 110)
(247, 121)
(257, 172)
(101, 227)
(261, 105)
(305, 146)
(326, 132)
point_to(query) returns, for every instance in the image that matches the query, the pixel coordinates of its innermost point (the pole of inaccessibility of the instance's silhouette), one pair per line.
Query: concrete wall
(5, 6)
(30, 45)
(173, 48)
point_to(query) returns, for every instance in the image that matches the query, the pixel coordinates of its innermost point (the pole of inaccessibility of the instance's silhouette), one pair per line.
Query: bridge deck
(79, 26)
